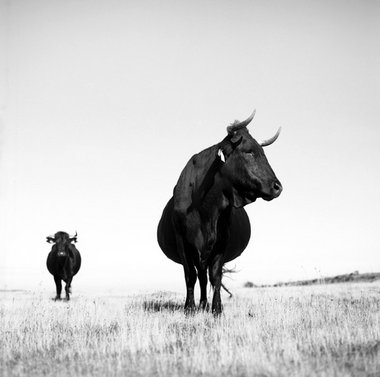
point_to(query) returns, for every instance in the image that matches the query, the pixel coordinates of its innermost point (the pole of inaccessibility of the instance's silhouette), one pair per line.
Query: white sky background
(103, 102)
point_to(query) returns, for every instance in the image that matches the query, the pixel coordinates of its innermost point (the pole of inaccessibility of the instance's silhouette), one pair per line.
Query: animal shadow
(159, 306)
(59, 300)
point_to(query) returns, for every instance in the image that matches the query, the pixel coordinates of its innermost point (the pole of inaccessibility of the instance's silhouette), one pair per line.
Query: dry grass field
(288, 331)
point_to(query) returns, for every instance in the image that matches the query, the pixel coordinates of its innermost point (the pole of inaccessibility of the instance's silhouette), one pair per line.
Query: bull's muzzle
(276, 189)
(272, 190)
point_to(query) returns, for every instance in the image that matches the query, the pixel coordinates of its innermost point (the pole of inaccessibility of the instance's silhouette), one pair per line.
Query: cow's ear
(236, 140)
(225, 149)
(74, 238)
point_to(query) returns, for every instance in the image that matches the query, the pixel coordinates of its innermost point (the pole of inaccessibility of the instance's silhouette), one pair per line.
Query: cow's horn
(270, 141)
(239, 125)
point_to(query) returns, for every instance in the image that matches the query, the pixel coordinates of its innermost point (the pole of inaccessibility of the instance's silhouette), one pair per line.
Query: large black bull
(64, 261)
(204, 224)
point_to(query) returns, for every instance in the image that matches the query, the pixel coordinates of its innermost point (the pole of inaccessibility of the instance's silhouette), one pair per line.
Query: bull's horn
(50, 239)
(74, 238)
(239, 125)
(270, 141)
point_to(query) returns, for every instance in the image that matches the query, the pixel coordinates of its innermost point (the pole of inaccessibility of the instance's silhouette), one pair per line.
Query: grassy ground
(289, 331)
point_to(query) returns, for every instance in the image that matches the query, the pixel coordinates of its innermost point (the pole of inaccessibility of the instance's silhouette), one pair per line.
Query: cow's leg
(58, 285)
(191, 279)
(202, 276)
(215, 272)
(184, 251)
(68, 287)
(190, 273)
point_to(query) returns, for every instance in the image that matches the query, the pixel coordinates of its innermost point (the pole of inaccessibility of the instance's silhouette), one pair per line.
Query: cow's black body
(239, 233)
(63, 261)
(204, 224)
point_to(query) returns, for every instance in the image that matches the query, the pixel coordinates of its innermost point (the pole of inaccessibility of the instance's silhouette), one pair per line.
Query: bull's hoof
(217, 313)
(217, 310)
(204, 306)
(190, 308)
(67, 298)
(57, 298)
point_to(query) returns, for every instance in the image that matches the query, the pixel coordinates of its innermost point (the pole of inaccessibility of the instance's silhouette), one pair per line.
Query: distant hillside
(354, 277)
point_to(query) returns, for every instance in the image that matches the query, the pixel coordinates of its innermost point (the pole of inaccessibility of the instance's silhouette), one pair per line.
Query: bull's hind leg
(58, 285)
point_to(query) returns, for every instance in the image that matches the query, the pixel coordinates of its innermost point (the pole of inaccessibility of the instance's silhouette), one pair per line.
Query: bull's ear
(235, 141)
(74, 238)
(225, 149)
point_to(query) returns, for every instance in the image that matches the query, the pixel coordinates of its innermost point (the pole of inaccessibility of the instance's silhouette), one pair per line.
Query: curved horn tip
(249, 119)
(270, 141)
(239, 125)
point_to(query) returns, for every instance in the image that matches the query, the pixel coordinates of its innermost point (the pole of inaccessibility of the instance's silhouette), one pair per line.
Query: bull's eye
(250, 154)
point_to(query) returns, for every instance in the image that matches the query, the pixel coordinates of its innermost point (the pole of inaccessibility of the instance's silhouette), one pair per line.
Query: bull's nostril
(277, 186)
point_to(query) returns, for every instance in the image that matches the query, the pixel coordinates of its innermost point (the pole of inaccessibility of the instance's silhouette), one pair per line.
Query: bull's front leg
(202, 276)
(190, 277)
(179, 221)
(68, 288)
(58, 286)
(215, 272)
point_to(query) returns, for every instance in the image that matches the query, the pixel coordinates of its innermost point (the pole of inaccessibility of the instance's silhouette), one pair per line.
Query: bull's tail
(226, 289)
(228, 271)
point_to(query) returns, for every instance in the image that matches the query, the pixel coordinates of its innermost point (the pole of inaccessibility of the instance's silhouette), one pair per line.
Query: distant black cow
(64, 261)
(204, 224)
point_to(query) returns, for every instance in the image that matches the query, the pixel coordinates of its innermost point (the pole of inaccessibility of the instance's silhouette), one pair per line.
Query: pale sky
(103, 102)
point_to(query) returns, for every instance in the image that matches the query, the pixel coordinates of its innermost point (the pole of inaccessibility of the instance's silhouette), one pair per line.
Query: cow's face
(62, 241)
(247, 168)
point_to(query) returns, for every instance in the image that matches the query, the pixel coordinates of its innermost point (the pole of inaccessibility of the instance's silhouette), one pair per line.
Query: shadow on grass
(158, 306)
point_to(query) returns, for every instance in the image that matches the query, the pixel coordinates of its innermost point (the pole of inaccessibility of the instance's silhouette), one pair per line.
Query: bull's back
(239, 233)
